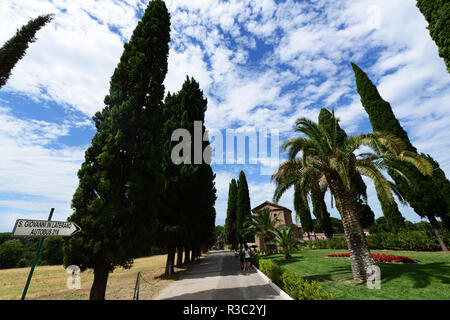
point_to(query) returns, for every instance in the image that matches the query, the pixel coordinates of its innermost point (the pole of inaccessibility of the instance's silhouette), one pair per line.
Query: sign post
(35, 260)
(41, 229)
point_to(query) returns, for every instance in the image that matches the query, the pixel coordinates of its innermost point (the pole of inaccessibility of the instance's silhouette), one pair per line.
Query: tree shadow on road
(256, 292)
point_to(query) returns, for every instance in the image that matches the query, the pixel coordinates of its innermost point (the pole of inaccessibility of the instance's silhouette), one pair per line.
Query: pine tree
(15, 48)
(425, 198)
(437, 13)
(117, 198)
(231, 236)
(243, 206)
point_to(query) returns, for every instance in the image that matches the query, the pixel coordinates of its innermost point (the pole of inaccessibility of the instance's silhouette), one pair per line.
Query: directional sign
(44, 228)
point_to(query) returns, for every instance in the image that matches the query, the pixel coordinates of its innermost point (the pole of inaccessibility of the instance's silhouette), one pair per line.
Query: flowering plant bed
(383, 258)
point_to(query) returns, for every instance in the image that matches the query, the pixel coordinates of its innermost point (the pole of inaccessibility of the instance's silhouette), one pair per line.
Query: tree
(15, 48)
(330, 161)
(262, 225)
(243, 210)
(52, 250)
(321, 213)
(10, 253)
(286, 240)
(437, 13)
(426, 199)
(119, 183)
(231, 235)
(302, 212)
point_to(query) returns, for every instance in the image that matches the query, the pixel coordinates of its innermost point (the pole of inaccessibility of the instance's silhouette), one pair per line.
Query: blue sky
(261, 64)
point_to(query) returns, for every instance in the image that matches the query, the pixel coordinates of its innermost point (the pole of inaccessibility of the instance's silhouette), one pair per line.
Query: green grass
(427, 280)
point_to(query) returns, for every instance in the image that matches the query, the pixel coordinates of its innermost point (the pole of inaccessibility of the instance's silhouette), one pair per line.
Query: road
(219, 277)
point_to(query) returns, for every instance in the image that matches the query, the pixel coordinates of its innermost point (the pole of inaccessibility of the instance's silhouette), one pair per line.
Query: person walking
(248, 258)
(242, 258)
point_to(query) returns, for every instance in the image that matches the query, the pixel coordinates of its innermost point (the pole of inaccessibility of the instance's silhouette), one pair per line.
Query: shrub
(378, 257)
(256, 256)
(271, 270)
(300, 289)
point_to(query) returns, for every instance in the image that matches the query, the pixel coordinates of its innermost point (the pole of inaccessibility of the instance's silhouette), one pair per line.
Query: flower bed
(383, 258)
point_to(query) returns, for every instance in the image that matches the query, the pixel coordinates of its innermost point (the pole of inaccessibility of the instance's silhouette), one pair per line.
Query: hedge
(294, 285)
(414, 240)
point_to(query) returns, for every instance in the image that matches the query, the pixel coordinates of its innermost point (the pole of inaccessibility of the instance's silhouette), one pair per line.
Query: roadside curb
(273, 285)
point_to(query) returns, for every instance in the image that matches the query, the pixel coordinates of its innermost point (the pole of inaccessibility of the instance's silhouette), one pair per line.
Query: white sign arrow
(44, 228)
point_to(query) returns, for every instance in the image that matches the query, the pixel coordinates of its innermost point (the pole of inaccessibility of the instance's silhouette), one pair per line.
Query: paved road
(219, 277)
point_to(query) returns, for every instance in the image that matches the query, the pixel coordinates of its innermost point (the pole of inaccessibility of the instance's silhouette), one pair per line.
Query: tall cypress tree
(15, 48)
(321, 213)
(187, 218)
(231, 236)
(117, 198)
(437, 13)
(243, 206)
(425, 198)
(302, 212)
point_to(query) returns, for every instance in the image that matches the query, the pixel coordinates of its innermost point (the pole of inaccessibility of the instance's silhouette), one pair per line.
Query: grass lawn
(428, 280)
(49, 282)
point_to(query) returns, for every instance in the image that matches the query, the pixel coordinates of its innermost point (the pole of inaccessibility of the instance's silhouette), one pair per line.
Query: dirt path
(219, 277)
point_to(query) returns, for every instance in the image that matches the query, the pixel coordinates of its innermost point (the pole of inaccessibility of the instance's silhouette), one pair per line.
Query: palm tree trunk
(360, 256)
(435, 226)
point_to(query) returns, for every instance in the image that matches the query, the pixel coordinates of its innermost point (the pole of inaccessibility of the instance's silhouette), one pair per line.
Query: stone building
(282, 213)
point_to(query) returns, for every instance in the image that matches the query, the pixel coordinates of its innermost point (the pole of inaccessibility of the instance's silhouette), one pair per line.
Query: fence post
(136, 287)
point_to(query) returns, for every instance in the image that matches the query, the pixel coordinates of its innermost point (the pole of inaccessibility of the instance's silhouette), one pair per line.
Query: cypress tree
(187, 219)
(117, 198)
(425, 198)
(243, 206)
(302, 212)
(15, 48)
(320, 212)
(231, 236)
(437, 13)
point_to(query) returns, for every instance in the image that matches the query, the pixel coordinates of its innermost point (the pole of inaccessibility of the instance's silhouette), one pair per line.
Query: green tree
(119, 182)
(15, 48)
(426, 198)
(330, 161)
(286, 240)
(52, 250)
(262, 225)
(10, 253)
(437, 13)
(321, 213)
(302, 212)
(243, 210)
(231, 235)
(187, 219)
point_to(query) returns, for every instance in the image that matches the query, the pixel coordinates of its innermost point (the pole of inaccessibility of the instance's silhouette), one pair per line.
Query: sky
(261, 65)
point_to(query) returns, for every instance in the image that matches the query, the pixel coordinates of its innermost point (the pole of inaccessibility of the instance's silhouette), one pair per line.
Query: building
(282, 213)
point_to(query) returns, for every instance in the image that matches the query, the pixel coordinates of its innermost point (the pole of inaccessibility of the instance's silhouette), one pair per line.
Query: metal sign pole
(35, 260)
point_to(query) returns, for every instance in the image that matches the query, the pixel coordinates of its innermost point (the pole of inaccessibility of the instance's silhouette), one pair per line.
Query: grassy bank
(49, 282)
(428, 279)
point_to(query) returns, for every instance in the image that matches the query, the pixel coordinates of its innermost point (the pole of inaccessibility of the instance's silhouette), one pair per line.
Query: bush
(271, 270)
(256, 256)
(300, 289)
(294, 285)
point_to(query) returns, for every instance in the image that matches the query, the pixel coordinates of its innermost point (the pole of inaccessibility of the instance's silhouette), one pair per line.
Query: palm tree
(261, 225)
(286, 240)
(329, 160)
